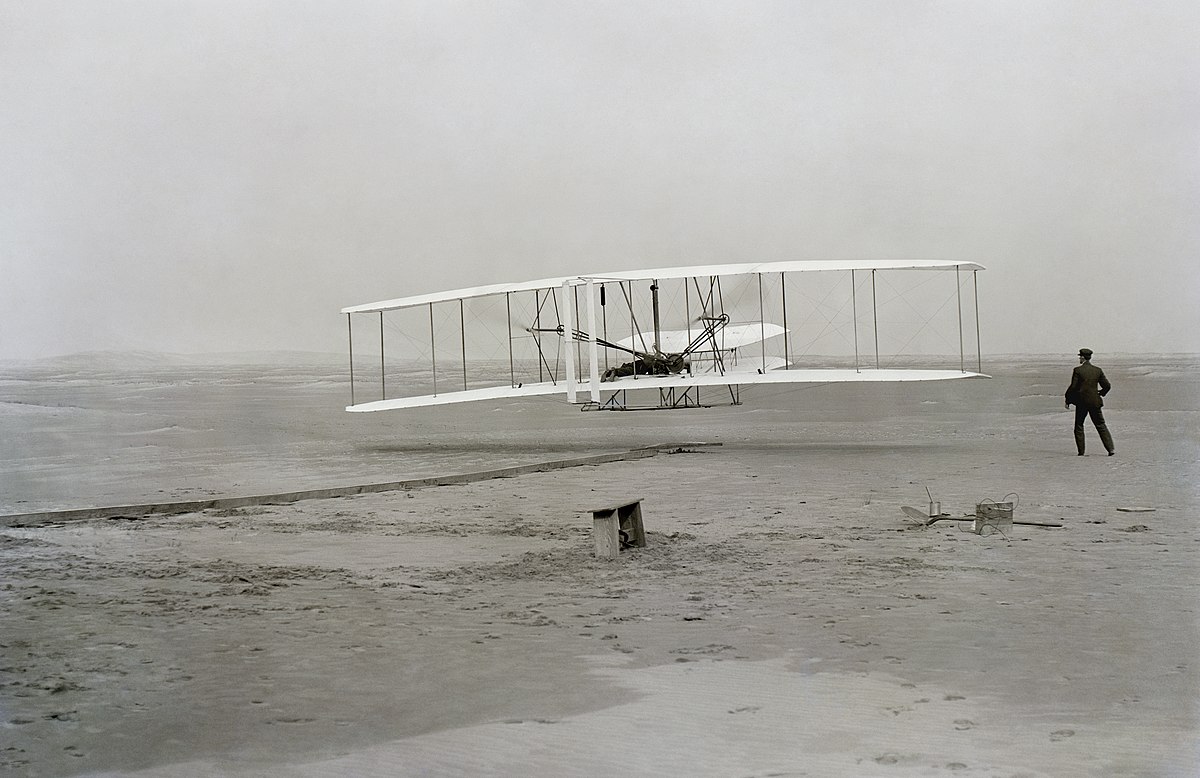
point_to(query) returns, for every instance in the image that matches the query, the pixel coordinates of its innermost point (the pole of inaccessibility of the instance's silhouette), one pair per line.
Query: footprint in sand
(10, 758)
(69, 715)
(1061, 734)
(963, 724)
(711, 648)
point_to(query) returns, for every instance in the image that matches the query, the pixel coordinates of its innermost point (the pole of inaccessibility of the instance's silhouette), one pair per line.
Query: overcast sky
(226, 175)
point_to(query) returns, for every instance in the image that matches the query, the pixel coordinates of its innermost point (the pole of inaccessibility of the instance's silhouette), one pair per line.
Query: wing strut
(762, 324)
(787, 354)
(350, 333)
(433, 349)
(962, 354)
(875, 319)
(564, 344)
(978, 343)
(512, 371)
(854, 316)
(462, 319)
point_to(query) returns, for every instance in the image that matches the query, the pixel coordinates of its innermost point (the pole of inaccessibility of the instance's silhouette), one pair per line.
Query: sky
(194, 176)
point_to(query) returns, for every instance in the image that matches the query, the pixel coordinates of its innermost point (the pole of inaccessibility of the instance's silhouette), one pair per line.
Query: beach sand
(784, 618)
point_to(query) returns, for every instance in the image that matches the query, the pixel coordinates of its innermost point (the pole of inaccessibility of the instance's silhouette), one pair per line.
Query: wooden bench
(618, 527)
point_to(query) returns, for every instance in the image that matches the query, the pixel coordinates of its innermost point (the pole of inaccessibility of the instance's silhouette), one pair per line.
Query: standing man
(1088, 385)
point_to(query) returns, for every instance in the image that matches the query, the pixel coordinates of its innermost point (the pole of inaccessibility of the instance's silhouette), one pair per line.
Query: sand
(785, 618)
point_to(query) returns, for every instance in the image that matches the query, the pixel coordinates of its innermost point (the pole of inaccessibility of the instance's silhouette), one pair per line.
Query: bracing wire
(925, 321)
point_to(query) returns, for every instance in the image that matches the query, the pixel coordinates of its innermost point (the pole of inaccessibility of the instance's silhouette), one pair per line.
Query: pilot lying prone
(663, 364)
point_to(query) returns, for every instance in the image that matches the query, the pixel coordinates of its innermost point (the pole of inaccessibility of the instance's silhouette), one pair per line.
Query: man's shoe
(1079, 454)
(1112, 453)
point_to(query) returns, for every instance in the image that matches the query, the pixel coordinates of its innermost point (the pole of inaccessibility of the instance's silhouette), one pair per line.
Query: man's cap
(1085, 352)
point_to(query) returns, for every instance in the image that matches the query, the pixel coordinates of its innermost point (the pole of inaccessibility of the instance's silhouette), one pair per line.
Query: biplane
(677, 337)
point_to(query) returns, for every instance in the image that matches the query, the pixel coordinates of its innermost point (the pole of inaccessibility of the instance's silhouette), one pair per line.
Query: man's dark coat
(1088, 385)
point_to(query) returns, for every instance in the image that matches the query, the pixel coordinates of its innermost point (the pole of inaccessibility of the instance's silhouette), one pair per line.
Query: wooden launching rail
(282, 498)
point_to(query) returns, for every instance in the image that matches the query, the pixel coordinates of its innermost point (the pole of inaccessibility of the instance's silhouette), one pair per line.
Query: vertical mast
(654, 300)
(567, 339)
(593, 347)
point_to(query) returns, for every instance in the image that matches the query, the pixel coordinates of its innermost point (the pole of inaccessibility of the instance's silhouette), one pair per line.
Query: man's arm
(1104, 384)
(1072, 394)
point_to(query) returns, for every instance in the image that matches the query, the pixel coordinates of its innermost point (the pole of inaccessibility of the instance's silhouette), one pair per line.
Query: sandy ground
(784, 619)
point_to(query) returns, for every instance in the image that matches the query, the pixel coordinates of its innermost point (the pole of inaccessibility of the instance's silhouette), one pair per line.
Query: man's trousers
(1097, 415)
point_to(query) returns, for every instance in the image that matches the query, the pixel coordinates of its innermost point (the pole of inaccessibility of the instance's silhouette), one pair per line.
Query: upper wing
(794, 266)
